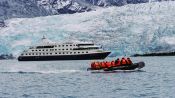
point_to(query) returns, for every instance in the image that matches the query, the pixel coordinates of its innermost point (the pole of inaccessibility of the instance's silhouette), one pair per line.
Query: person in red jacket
(103, 65)
(117, 62)
(129, 61)
(108, 64)
(123, 61)
(93, 65)
(97, 65)
(112, 64)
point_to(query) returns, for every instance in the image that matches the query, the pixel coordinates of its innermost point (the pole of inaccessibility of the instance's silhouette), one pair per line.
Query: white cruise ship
(48, 50)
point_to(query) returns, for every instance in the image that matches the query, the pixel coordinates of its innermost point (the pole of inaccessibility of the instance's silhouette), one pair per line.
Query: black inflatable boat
(134, 66)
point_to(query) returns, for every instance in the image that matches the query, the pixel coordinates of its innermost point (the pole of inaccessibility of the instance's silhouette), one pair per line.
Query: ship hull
(91, 56)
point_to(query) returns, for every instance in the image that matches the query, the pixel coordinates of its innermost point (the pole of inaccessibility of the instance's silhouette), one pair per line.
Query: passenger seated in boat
(92, 65)
(129, 61)
(103, 65)
(123, 61)
(108, 64)
(112, 64)
(97, 65)
(117, 62)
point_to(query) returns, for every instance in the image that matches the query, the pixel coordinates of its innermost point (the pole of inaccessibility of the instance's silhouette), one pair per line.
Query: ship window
(67, 52)
(50, 53)
(66, 49)
(63, 52)
(63, 45)
(29, 54)
(36, 50)
(55, 53)
(59, 53)
(26, 53)
(43, 53)
(62, 49)
(70, 52)
(55, 49)
(32, 50)
(66, 45)
(58, 45)
(46, 50)
(44, 46)
(43, 49)
(74, 52)
(36, 53)
(59, 49)
(82, 52)
(78, 52)
(39, 53)
(70, 45)
(33, 54)
(47, 53)
(86, 52)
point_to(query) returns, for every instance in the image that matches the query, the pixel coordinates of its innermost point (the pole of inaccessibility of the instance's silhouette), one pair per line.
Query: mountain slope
(20, 8)
(35, 8)
(115, 2)
(73, 6)
(128, 29)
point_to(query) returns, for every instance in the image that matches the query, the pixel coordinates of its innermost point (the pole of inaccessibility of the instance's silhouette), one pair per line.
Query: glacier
(124, 30)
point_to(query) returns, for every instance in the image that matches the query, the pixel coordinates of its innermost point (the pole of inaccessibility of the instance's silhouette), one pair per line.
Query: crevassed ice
(129, 29)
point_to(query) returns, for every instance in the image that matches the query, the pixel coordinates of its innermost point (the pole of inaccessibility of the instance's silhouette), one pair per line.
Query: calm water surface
(69, 79)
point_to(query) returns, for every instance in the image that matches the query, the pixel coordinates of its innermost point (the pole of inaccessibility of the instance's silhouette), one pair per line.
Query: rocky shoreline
(6, 56)
(156, 54)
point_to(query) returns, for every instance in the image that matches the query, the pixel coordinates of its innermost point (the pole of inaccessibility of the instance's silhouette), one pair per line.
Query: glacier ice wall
(125, 30)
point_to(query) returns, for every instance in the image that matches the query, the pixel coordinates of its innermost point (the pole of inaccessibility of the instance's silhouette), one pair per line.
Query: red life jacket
(123, 61)
(108, 64)
(103, 65)
(100, 64)
(117, 63)
(96, 65)
(92, 65)
(129, 61)
(113, 64)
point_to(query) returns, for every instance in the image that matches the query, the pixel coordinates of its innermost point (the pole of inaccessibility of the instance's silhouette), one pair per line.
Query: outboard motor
(141, 65)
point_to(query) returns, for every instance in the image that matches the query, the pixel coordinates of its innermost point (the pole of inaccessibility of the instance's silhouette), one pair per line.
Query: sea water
(70, 79)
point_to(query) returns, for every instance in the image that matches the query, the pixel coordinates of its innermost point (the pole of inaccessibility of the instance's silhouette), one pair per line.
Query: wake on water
(69, 71)
(42, 72)
(51, 68)
(11, 66)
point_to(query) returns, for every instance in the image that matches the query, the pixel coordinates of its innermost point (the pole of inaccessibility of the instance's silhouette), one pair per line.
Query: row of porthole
(52, 53)
(64, 45)
(52, 49)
